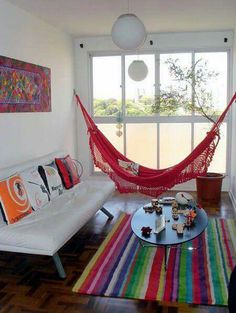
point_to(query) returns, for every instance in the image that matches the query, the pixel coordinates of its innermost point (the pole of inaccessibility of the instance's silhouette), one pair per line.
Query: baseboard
(233, 199)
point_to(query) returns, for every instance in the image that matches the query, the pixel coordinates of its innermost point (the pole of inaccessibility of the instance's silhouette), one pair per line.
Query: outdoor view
(158, 121)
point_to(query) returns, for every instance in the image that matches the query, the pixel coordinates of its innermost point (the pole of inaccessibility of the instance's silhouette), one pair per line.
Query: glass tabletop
(168, 236)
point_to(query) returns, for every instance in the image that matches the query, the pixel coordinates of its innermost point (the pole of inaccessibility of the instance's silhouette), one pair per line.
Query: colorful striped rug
(122, 268)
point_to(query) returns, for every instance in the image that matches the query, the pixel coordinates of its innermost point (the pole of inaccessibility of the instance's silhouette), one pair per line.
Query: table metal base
(167, 249)
(167, 254)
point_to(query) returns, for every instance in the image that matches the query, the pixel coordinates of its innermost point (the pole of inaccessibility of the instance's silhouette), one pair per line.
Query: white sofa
(46, 230)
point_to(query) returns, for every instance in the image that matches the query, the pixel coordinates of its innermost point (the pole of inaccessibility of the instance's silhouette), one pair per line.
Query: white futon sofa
(46, 230)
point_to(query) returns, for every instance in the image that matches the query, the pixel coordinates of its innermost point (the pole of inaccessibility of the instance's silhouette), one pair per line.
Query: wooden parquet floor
(30, 284)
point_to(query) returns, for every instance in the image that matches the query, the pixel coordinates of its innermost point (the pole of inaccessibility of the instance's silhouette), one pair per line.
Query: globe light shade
(128, 32)
(138, 70)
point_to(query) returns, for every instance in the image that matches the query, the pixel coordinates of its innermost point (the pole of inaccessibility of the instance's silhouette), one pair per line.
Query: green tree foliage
(112, 107)
(106, 107)
(140, 107)
(190, 93)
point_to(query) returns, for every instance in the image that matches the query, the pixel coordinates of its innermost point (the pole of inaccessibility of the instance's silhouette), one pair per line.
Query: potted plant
(192, 81)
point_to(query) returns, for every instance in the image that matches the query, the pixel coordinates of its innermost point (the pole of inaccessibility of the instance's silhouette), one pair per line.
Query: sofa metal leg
(105, 211)
(59, 265)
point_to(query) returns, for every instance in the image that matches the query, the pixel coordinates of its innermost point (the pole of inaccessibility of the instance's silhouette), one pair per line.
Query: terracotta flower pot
(209, 189)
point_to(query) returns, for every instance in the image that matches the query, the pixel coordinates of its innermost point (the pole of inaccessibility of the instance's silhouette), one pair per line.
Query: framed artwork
(24, 87)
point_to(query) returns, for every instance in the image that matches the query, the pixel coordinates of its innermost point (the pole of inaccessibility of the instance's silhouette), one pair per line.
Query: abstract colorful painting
(24, 87)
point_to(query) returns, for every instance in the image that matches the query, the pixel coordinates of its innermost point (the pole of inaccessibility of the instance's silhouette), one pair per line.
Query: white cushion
(36, 190)
(47, 230)
(52, 179)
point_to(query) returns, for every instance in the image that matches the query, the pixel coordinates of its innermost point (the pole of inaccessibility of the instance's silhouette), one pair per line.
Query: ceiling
(95, 17)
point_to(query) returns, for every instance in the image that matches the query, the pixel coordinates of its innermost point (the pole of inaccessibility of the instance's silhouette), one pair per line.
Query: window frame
(158, 119)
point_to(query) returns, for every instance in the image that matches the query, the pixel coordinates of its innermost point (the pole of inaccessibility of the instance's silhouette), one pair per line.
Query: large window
(153, 132)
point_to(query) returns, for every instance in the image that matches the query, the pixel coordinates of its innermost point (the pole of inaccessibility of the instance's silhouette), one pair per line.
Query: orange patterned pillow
(14, 201)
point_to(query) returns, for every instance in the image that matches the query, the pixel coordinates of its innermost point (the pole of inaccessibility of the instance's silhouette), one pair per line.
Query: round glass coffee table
(167, 237)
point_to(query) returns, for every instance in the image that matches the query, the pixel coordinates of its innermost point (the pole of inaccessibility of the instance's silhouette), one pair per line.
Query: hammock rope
(149, 181)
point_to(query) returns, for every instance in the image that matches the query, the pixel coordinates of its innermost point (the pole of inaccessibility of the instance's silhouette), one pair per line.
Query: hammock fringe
(149, 181)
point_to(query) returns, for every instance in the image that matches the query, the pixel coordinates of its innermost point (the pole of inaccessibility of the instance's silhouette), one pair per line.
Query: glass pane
(212, 88)
(175, 143)
(111, 132)
(175, 91)
(141, 142)
(140, 94)
(106, 85)
(218, 163)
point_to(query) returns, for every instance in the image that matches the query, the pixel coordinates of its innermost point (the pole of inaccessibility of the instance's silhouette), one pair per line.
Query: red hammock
(150, 181)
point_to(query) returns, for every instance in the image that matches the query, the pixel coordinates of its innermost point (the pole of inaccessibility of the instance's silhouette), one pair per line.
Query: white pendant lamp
(128, 32)
(138, 70)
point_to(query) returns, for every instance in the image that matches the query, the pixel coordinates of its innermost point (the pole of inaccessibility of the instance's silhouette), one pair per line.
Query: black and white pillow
(37, 192)
(51, 179)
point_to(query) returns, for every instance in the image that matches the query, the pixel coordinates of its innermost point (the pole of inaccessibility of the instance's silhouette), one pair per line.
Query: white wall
(27, 135)
(161, 42)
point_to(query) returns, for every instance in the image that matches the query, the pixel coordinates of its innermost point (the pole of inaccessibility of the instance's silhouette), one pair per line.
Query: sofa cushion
(48, 229)
(63, 171)
(17, 168)
(14, 201)
(35, 187)
(68, 171)
(51, 179)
